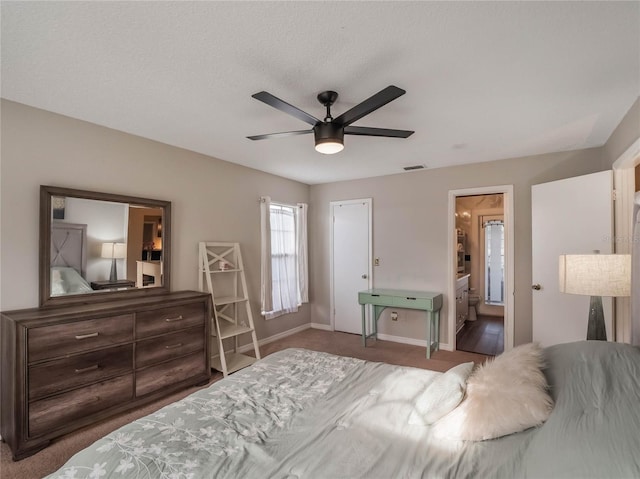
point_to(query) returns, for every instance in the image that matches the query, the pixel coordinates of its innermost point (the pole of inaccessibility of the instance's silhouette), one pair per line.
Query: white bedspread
(304, 414)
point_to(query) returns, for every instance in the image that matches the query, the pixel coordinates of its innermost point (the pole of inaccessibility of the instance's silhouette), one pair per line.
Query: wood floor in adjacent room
(53, 457)
(485, 335)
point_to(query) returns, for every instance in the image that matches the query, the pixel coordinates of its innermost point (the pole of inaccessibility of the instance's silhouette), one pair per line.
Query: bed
(305, 414)
(68, 259)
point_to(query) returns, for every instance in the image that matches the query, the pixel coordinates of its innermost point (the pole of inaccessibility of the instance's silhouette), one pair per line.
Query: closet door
(350, 261)
(571, 216)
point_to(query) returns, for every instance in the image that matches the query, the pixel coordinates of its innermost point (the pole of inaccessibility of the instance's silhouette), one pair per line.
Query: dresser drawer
(70, 372)
(166, 320)
(48, 414)
(156, 377)
(169, 346)
(68, 338)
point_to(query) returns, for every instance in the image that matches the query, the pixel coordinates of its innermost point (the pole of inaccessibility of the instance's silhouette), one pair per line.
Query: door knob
(537, 287)
(364, 276)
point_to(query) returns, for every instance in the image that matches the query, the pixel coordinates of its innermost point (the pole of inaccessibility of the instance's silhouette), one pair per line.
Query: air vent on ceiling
(415, 167)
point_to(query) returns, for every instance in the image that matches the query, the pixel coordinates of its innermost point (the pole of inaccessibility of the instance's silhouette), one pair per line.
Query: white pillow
(504, 396)
(57, 283)
(442, 395)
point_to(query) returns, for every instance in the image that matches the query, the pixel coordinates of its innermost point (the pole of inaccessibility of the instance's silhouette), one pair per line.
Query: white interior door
(351, 261)
(572, 216)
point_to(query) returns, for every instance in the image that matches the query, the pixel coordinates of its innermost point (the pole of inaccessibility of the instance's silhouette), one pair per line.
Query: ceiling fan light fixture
(329, 147)
(329, 138)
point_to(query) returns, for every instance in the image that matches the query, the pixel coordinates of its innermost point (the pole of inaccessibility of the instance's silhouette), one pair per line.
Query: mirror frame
(45, 298)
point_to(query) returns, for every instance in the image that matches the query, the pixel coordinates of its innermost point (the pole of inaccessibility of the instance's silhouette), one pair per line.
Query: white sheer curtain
(494, 262)
(266, 294)
(303, 257)
(635, 275)
(285, 228)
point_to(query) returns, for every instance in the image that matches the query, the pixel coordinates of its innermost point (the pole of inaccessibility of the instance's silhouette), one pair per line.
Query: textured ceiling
(484, 80)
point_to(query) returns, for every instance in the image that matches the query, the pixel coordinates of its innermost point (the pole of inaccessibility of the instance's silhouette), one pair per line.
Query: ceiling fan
(329, 133)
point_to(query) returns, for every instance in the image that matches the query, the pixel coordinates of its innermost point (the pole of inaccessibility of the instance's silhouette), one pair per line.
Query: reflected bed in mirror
(97, 246)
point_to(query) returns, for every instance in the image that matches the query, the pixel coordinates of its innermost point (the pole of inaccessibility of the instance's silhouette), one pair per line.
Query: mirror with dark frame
(98, 246)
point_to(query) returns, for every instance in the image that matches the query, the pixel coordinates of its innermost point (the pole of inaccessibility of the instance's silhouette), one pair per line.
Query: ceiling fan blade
(366, 131)
(370, 104)
(279, 135)
(285, 107)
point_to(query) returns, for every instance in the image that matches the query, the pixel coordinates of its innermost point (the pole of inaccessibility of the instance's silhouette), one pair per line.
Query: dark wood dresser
(66, 367)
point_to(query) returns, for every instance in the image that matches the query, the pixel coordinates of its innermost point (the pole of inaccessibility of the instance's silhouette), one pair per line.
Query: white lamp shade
(114, 250)
(595, 274)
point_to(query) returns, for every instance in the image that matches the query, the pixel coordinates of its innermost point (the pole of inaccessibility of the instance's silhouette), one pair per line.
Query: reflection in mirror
(101, 243)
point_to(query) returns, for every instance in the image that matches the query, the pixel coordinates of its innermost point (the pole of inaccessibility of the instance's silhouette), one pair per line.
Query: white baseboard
(275, 337)
(412, 341)
(327, 327)
(403, 340)
(324, 327)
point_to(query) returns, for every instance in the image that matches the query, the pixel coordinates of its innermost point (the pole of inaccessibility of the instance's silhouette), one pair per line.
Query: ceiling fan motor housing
(328, 133)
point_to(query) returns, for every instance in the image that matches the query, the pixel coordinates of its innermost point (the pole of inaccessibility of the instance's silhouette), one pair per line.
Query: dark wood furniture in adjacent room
(66, 367)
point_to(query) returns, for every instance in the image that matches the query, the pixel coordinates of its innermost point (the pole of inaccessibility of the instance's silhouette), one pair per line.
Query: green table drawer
(375, 299)
(413, 303)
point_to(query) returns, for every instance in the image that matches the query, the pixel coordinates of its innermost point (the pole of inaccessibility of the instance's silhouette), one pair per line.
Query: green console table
(395, 298)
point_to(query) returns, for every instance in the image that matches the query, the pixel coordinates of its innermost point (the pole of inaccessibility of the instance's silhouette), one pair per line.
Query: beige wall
(216, 200)
(410, 229)
(211, 199)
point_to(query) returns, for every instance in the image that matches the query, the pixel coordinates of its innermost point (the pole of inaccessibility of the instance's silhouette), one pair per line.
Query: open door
(571, 216)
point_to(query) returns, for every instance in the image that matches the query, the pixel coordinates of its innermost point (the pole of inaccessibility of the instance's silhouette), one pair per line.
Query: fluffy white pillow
(504, 396)
(442, 395)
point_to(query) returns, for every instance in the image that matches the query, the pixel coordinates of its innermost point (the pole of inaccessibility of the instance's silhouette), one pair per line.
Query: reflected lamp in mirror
(596, 275)
(114, 251)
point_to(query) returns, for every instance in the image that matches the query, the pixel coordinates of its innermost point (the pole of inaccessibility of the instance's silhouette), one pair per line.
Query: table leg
(437, 337)
(428, 334)
(376, 316)
(364, 326)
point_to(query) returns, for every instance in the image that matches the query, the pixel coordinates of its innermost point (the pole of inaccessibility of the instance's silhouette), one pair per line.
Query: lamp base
(596, 329)
(114, 271)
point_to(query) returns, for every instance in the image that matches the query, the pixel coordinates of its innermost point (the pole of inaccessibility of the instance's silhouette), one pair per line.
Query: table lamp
(596, 275)
(114, 251)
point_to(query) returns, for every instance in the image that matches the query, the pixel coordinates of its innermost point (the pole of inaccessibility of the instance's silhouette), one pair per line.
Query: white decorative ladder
(222, 276)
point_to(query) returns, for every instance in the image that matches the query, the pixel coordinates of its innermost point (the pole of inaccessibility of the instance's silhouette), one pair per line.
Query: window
(284, 277)
(284, 258)
(494, 262)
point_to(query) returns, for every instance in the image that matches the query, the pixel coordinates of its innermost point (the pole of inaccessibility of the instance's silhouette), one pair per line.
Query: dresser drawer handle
(408, 297)
(86, 370)
(170, 320)
(173, 346)
(85, 336)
